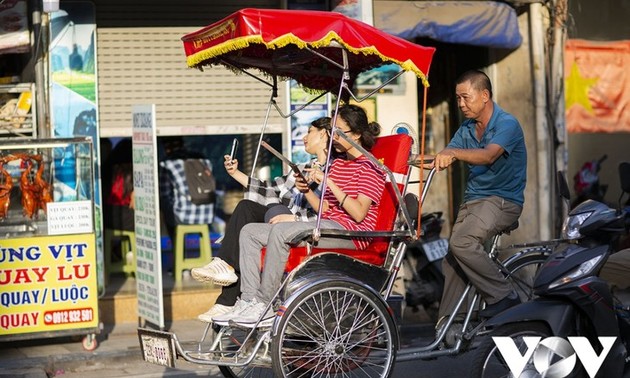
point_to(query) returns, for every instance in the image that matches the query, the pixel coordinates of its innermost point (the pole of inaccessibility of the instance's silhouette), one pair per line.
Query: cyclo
(333, 312)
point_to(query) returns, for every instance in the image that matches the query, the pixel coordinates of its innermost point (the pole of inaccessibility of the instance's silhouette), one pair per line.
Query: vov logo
(567, 353)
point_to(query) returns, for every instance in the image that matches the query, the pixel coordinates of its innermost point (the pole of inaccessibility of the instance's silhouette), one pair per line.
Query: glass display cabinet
(48, 276)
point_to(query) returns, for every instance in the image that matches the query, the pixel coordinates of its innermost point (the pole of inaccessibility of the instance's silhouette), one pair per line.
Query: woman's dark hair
(323, 123)
(356, 119)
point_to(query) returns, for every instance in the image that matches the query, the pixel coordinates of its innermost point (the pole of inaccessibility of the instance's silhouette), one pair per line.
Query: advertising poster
(147, 216)
(73, 101)
(48, 284)
(301, 120)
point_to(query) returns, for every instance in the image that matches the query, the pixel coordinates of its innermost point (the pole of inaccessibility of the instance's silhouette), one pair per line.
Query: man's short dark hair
(172, 144)
(478, 79)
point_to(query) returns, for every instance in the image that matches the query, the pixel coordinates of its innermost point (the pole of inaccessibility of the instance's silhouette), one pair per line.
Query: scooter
(424, 280)
(574, 316)
(586, 183)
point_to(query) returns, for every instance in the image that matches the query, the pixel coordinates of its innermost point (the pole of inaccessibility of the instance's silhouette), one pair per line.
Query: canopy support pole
(274, 94)
(345, 77)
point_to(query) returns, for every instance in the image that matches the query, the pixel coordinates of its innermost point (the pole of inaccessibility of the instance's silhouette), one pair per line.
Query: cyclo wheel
(256, 369)
(335, 328)
(522, 268)
(246, 372)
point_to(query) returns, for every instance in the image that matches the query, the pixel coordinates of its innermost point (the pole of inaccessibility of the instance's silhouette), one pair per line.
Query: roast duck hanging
(6, 184)
(35, 190)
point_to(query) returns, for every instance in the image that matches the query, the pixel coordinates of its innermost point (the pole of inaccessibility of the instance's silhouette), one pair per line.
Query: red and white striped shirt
(354, 177)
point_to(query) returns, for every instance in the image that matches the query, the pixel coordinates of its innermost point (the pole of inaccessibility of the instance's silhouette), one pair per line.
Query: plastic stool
(181, 262)
(127, 263)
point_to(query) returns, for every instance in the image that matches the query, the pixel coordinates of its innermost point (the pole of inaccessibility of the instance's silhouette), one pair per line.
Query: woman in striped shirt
(260, 196)
(353, 190)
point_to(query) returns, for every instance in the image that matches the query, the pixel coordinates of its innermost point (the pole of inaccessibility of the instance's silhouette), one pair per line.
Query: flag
(597, 86)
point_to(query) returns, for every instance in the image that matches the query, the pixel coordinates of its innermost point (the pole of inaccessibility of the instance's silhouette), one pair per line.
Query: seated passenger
(260, 198)
(353, 190)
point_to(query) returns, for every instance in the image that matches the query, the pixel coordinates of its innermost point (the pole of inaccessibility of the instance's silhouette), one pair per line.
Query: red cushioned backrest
(393, 152)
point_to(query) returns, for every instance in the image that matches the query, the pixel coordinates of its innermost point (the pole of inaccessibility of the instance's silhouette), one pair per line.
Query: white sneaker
(254, 312)
(239, 306)
(217, 271)
(216, 310)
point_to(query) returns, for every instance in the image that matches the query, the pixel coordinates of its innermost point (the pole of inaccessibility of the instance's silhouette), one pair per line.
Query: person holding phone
(354, 187)
(269, 202)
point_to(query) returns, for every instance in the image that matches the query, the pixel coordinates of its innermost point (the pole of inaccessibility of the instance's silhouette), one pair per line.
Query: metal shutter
(147, 65)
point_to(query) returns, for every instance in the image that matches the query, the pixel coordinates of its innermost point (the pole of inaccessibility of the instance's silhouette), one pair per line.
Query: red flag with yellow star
(597, 86)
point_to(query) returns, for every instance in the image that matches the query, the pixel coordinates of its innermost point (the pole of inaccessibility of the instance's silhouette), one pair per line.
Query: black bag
(201, 182)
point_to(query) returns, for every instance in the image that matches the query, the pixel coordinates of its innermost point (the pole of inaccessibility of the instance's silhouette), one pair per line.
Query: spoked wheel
(260, 367)
(488, 361)
(335, 329)
(246, 371)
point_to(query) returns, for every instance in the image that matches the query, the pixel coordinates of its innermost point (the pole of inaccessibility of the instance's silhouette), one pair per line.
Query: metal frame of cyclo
(341, 89)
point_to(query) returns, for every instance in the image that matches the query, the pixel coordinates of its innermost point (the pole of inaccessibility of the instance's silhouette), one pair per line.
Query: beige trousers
(477, 221)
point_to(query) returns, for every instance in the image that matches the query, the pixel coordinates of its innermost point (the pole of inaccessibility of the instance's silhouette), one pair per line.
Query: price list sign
(147, 215)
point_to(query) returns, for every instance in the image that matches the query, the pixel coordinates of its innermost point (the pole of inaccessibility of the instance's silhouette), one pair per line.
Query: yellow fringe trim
(198, 59)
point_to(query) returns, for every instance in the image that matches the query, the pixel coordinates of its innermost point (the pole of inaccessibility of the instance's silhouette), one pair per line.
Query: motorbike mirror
(624, 176)
(563, 187)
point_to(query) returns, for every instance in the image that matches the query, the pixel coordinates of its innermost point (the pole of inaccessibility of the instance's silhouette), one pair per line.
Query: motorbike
(586, 183)
(574, 316)
(424, 280)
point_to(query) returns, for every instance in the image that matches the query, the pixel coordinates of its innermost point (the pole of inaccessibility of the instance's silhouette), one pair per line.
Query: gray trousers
(263, 285)
(477, 221)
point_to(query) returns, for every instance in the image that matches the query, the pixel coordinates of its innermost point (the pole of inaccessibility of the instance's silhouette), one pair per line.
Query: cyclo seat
(393, 152)
(509, 228)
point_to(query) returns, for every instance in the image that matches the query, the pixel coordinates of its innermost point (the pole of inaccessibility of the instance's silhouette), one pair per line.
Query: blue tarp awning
(478, 23)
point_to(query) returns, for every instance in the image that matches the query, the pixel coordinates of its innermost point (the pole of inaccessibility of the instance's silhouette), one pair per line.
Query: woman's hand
(282, 218)
(231, 166)
(301, 184)
(315, 175)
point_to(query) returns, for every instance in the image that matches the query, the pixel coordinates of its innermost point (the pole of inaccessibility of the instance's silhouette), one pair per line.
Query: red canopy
(277, 42)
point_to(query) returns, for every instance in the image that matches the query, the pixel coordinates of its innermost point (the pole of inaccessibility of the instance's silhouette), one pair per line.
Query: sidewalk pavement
(117, 355)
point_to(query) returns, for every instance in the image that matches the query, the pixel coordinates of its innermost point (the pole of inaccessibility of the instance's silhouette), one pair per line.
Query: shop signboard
(147, 215)
(48, 284)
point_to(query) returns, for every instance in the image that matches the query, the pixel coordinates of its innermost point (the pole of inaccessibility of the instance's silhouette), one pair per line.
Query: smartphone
(234, 148)
(297, 171)
(293, 166)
